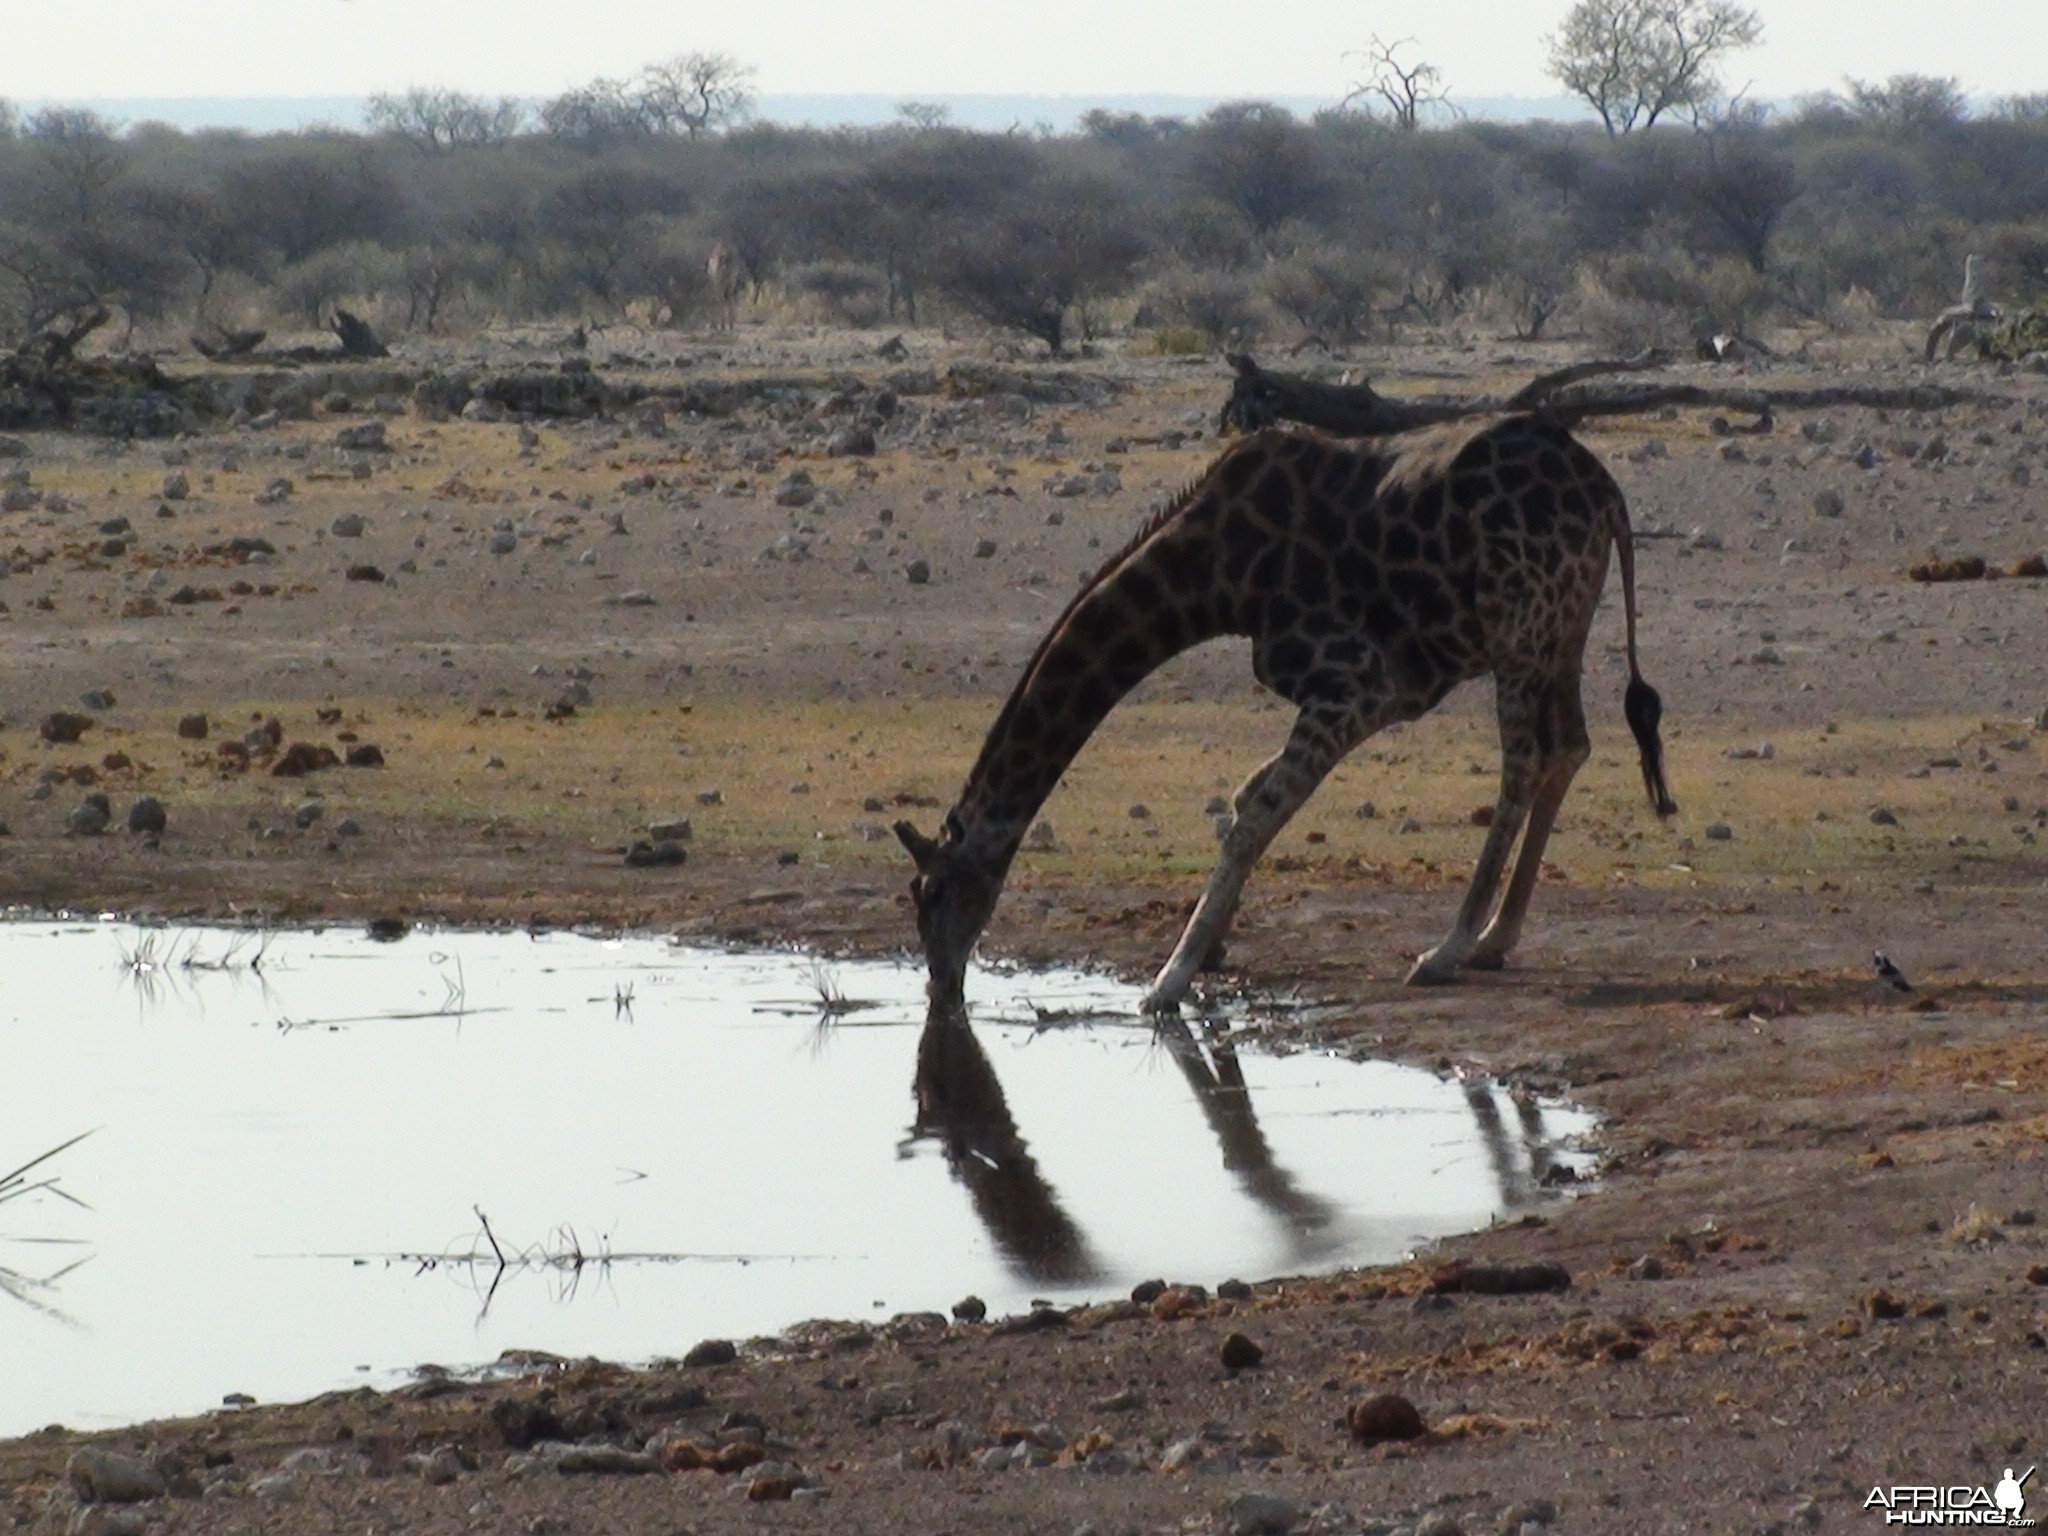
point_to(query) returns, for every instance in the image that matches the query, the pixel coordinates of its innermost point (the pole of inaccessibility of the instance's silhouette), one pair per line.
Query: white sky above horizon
(178, 48)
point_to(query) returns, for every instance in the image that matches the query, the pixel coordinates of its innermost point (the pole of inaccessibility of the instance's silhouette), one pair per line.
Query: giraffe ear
(922, 849)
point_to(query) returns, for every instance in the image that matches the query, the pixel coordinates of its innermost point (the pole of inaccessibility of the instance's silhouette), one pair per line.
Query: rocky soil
(1813, 1266)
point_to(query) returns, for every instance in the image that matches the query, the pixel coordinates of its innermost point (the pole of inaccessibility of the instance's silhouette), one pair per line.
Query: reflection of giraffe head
(955, 893)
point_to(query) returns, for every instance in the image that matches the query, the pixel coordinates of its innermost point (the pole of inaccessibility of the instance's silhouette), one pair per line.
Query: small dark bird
(1888, 973)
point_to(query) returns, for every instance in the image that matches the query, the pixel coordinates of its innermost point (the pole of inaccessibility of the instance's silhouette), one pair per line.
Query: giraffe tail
(1640, 705)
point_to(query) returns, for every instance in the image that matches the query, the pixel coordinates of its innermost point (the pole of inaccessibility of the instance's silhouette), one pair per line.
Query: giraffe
(722, 270)
(1372, 577)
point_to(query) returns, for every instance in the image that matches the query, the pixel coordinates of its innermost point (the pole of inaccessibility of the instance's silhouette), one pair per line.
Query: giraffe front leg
(1269, 798)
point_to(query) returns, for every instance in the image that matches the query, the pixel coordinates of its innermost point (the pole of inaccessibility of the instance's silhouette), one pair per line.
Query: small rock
(795, 489)
(100, 1476)
(177, 487)
(366, 572)
(919, 572)
(1719, 832)
(1240, 1353)
(192, 727)
(674, 830)
(1648, 1267)
(365, 754)
(1233, 1290)
(504, 541)
(655, 855)
(438, 1467)
(369, 437)
(850, 442)
(1883, 816)
(1261, 1514)
(1827, 502)
(712, 1352)
(349, 525)
(89, 818)
(147, 816)
(1387, 1416)
(62, 727)
(970, 1309)
(307, 813)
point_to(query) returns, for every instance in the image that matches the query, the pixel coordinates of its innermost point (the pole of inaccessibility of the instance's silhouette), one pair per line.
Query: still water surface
(291, 1162)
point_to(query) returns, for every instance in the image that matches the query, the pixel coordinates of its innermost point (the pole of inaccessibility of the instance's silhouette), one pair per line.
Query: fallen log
(1260, 397)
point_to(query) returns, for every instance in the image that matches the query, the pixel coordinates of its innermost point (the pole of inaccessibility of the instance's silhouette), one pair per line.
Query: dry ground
(1803, 1152)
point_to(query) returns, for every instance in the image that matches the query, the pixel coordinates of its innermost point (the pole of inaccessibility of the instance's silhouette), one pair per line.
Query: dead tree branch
(1261, 398)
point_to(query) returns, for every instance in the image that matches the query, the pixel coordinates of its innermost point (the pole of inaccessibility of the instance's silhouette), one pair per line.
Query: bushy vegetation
(450, 212)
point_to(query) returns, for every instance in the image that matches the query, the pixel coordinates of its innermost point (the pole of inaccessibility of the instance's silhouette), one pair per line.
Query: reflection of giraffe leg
(1570, 747)
(1523, 704)
(1264, 805)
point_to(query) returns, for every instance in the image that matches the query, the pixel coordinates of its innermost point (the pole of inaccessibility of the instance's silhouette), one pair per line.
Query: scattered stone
(521, 1422)
(796, 489)
(1145, 1292)
(654, 855)
(1883, 816)
(369, 437)
(192, 727)
(970, 1309)
(712, 1352)
(1827, 502)
(302, 758)
(1260, 1514)
(307, 813)
(984, 548)
(438, 1467)
(1719, 832)
(674, 830)
(1500, 1279)
(504, 541)
(1648, 1267)
(1240, 1353)
(919, 572)
(636, 598)
(1540, 1513)
(850, 442)
(1387, 1416)
(365, 754)
(89, 818)
(177, 487)
(1233, 1290)
(366, 572)
(273, 493)
(146, 817)
(62, 727)
(100, 1476)
(603, 1460)
(349, 525)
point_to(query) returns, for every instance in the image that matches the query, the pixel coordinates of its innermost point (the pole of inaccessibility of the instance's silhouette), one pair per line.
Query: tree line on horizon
(448, 212)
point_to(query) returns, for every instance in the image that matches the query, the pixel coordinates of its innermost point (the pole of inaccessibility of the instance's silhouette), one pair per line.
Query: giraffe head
(955, 892)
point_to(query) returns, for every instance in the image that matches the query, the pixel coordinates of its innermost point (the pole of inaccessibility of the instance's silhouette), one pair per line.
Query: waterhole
(311, 1160)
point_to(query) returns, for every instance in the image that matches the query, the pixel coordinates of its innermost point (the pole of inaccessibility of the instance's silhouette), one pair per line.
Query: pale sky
(171, 48)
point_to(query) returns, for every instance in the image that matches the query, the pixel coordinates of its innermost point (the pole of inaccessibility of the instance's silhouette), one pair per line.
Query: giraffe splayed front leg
(1268, 800)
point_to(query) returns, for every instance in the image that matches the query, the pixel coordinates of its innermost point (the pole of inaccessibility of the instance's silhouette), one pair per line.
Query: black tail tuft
(1644, 709)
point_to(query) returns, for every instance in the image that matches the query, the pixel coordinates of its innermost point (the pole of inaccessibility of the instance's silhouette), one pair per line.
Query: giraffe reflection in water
(960, 1104)
(961, 1107)
(1226, 1101)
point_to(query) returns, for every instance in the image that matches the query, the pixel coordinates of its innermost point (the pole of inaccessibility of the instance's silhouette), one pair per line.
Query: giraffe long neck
(1160, 597)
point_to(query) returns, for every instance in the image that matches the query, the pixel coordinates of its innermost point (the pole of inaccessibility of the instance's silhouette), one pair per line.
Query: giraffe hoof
(1432, 972)
(1486, 962)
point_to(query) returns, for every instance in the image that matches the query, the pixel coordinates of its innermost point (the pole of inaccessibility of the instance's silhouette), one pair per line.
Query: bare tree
(1405, 89)
(1909, 103)
(924, 116)
(694, 93)
(435, 120)
(1635, 60)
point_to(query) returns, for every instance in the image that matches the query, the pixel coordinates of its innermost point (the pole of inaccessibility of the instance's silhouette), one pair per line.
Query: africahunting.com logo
(2004, 1503)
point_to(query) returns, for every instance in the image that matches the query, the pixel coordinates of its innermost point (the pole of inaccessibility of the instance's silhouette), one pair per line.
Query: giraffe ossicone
(1372, 577)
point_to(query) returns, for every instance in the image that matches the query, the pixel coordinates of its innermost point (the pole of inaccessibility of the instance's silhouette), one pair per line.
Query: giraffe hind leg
(1268, 800)
(1570, 746)
(1527, 708)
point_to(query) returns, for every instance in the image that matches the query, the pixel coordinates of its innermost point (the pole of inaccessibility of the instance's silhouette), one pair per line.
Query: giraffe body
(1371, 578)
